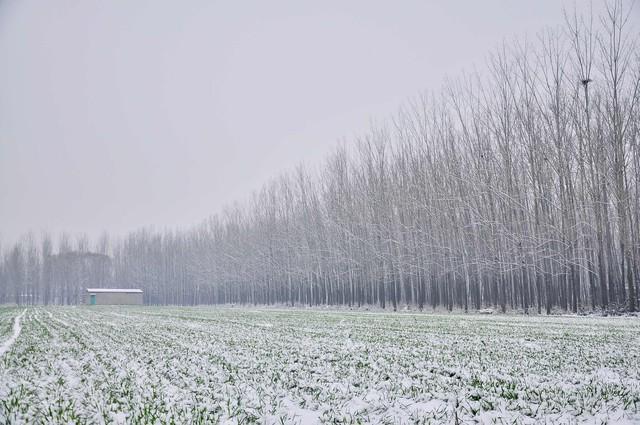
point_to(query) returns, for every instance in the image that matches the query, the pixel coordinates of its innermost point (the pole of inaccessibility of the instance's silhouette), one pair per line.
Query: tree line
(513, 188)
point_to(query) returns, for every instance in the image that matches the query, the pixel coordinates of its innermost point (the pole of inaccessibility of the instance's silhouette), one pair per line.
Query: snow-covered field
(197, 365)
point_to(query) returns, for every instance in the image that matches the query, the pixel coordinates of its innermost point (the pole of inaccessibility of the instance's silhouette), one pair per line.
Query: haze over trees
(517, 187)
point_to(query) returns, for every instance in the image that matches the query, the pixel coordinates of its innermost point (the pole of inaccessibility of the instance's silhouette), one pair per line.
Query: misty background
(117, 115)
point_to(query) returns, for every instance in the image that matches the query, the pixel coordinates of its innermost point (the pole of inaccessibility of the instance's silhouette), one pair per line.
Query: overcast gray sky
(121, 114)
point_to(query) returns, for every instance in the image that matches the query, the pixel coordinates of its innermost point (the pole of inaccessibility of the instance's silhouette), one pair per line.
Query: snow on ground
(4, 346)
(215, 365)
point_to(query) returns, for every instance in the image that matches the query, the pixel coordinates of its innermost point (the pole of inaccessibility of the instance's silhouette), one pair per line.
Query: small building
(106, 296)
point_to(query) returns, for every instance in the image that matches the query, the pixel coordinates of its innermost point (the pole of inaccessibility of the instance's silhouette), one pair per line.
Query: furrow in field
(6, 345)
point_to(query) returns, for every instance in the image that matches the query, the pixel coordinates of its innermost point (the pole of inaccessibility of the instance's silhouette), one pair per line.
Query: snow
(119, 418)
(217, 365)
(16, 332)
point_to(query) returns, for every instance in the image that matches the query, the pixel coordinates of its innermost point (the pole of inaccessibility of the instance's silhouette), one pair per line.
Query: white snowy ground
(196, 365)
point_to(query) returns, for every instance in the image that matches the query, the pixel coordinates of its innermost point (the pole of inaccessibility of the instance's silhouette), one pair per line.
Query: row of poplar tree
(514, 188)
